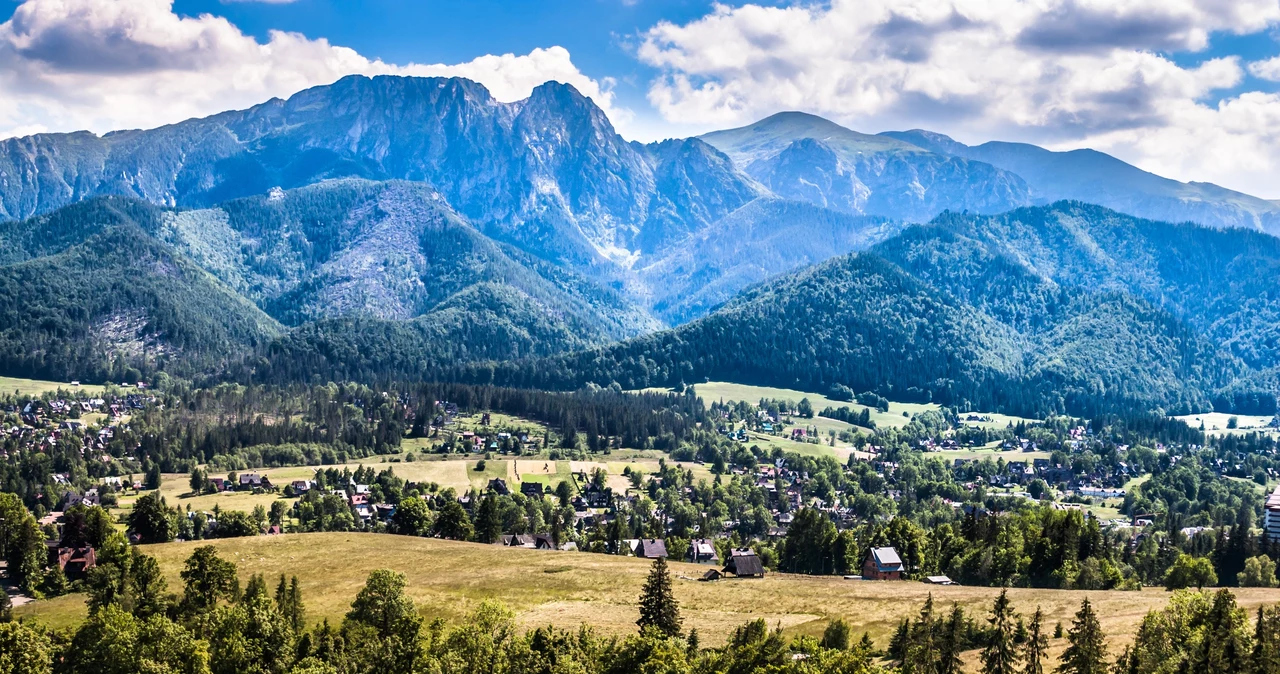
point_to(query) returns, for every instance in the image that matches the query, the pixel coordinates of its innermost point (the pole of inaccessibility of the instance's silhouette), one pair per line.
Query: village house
(702, 551)
(254, 481)
(543, 542)
(517, 540)
(74, 562)
(882, 564)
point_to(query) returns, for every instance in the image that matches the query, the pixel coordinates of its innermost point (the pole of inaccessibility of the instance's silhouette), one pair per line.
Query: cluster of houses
(44, 424)
(592, 502)
(243, 482)
(444, 424)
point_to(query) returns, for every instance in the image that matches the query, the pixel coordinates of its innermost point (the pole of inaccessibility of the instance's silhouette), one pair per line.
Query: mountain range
(400, 226)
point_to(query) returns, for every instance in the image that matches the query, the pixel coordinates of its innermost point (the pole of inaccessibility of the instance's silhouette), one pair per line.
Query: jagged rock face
(41, 173)
(918, 186)
(548, 173)
(696, 186)
(810, 171)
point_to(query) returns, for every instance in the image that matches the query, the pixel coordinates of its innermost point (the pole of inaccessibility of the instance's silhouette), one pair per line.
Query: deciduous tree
(151, 520)
(208, 578)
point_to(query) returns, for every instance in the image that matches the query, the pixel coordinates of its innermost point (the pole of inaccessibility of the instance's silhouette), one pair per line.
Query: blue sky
(1189, 89)
(601, 34)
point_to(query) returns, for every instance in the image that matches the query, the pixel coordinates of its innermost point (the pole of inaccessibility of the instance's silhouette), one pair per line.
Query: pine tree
(1034, 648)
(952, 642)
(658, 606)
(922, 655)
(1000, 656)
(282, 596)
(1265, 658)
(1087, 650)
(198, 480)
(488, 521)
(297, 612)
(1224, 648)
(899, 643)
(152, 479)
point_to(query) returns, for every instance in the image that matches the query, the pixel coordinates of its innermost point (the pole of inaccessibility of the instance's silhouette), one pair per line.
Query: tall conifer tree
(658, 605)
(1087, 649)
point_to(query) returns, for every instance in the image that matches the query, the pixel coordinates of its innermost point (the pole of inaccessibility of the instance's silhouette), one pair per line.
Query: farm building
(650, 548)
(745, 564)
(74, 562)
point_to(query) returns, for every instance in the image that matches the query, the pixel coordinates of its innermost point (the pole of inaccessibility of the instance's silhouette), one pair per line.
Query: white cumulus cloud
(1267, 70)
(1064, 73)
(107, 64)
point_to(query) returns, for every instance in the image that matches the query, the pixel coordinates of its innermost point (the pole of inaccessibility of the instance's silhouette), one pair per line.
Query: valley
(807, 382)
(982, 290)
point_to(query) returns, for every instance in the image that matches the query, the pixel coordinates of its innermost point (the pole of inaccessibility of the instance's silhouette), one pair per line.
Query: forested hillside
(97, 291)
(1063, 308)
(1066, 308)
(117, 303)
(1223, 282)
(389, 250)
(484, 322)
(856, 320)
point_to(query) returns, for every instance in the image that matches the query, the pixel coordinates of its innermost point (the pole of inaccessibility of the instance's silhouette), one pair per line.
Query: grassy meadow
(993, 453)
(716, 391)
(449, 579)
(36, 387)
(899, 415)
(1215, 423)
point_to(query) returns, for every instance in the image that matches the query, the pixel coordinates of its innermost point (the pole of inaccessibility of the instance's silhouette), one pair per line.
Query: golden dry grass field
(449, 579)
